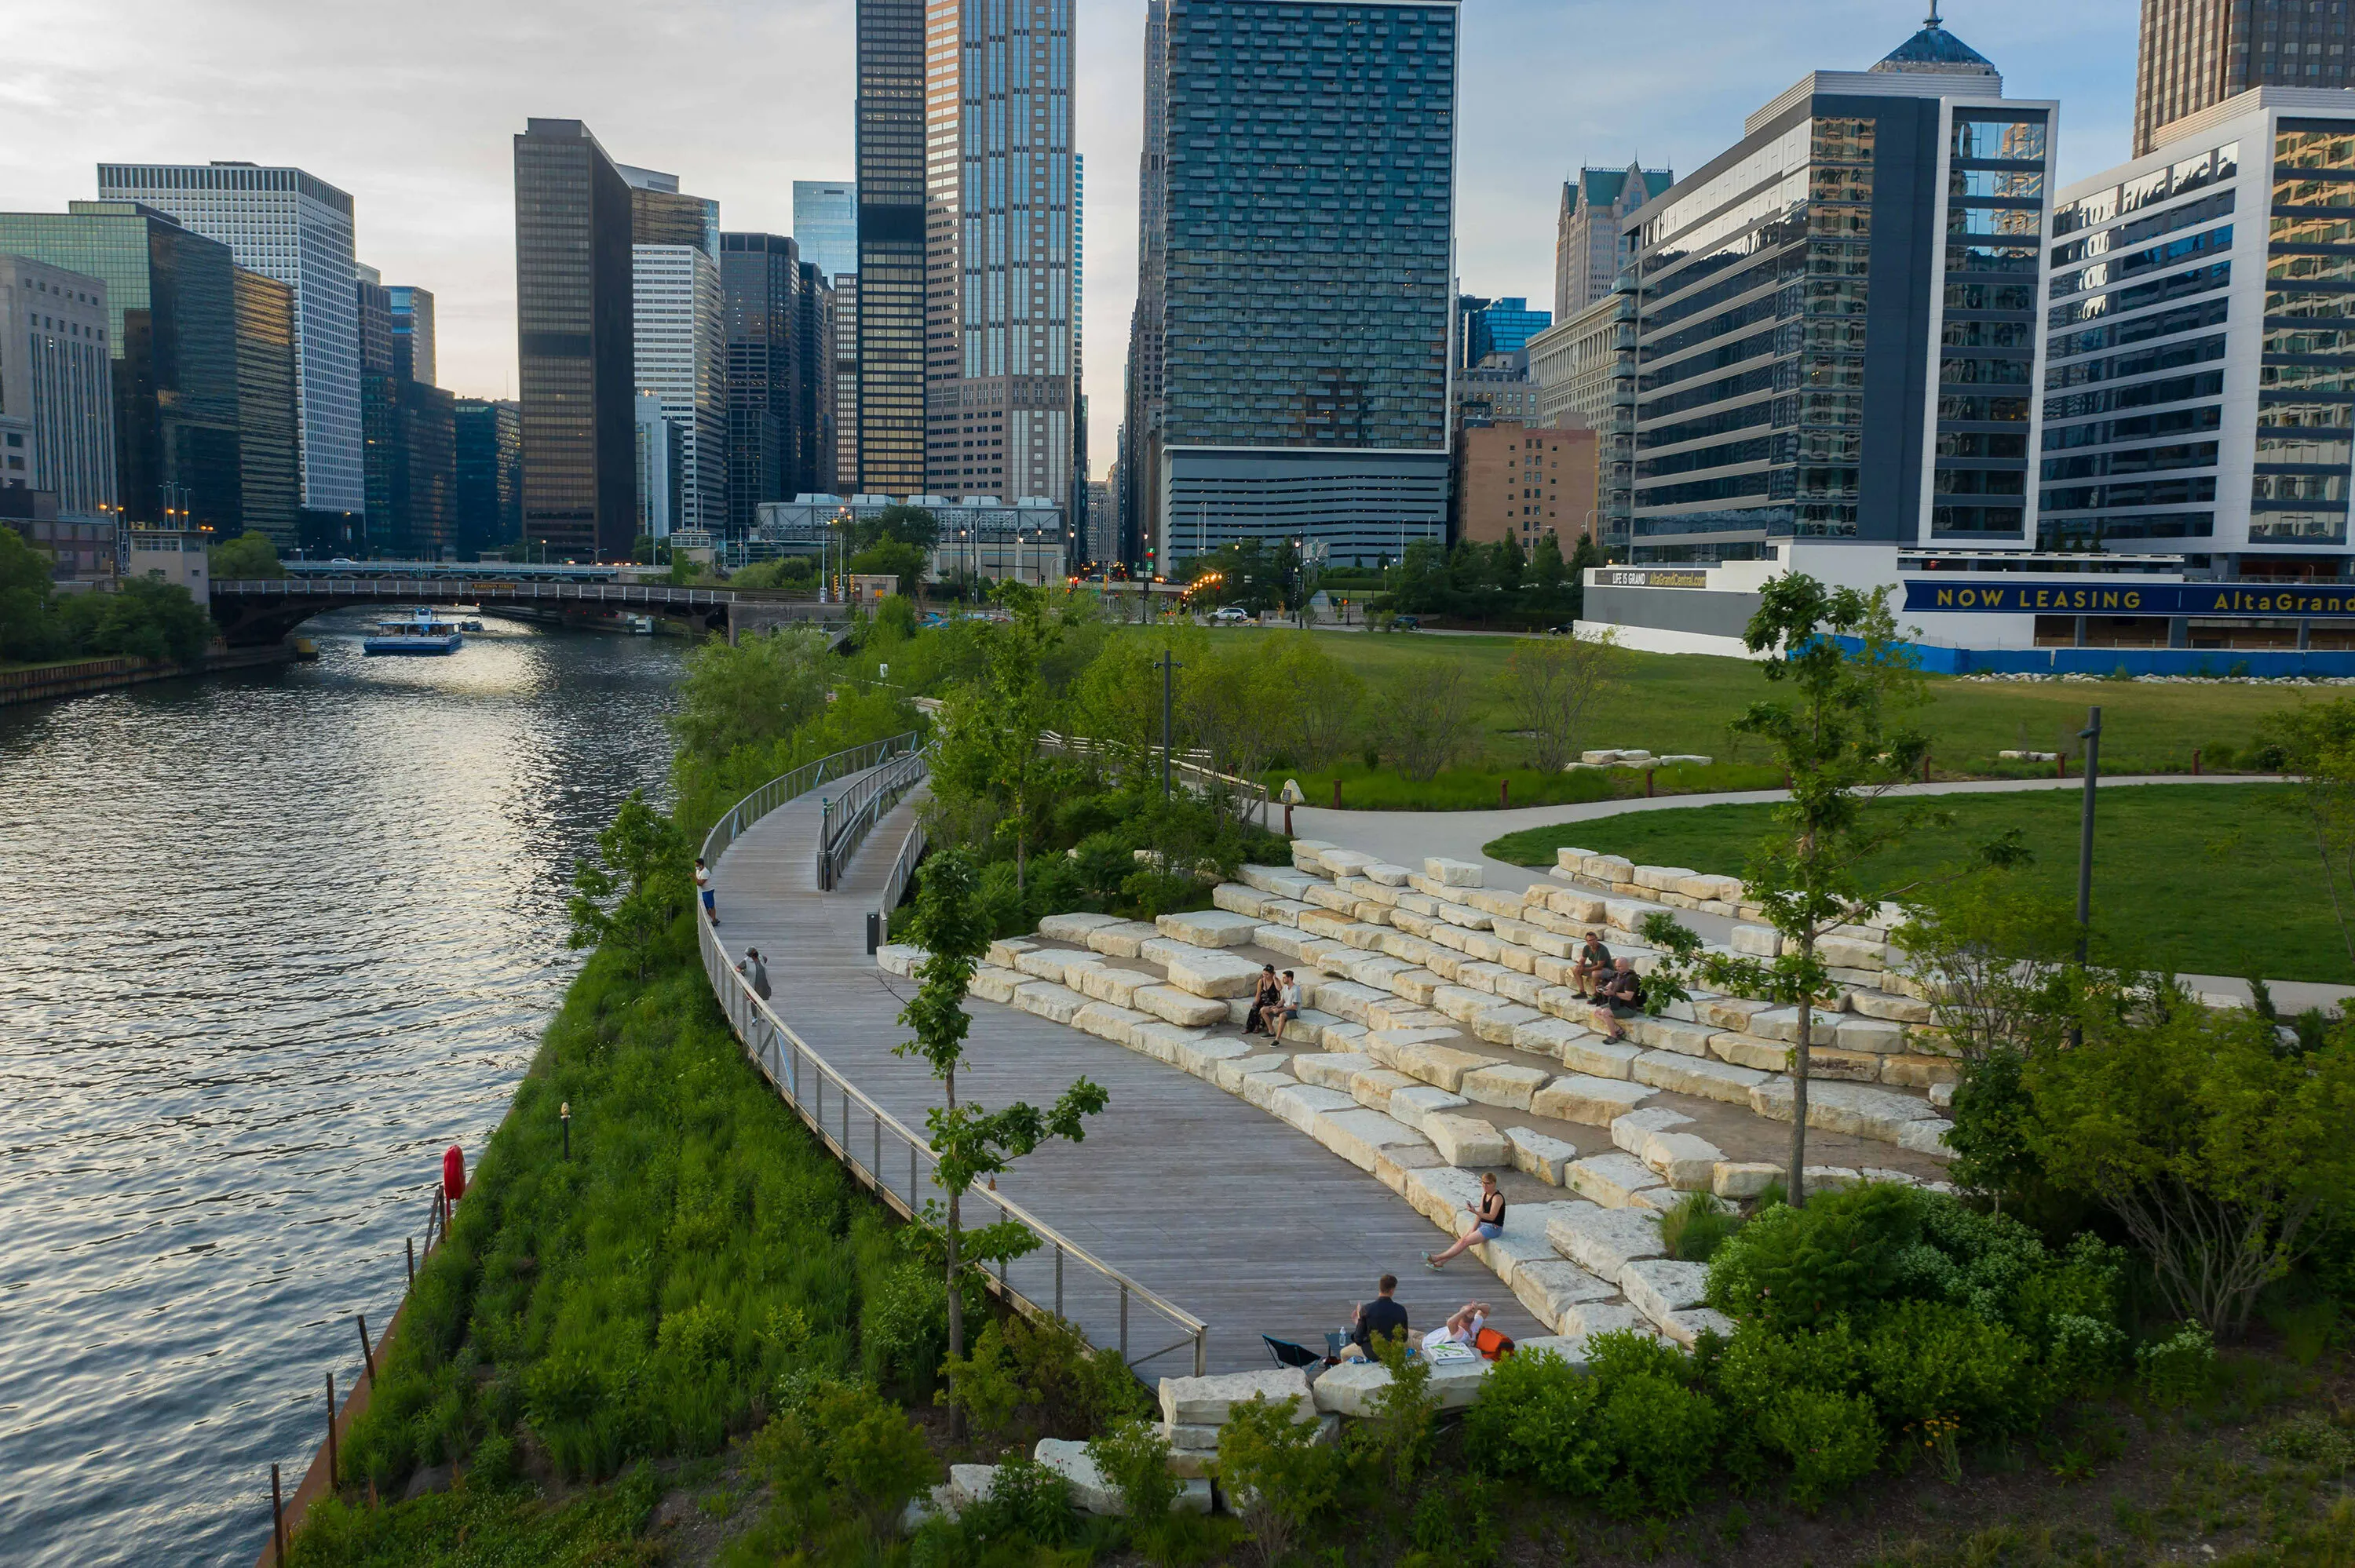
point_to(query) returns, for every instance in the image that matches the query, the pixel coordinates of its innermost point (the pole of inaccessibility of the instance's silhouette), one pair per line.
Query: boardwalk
(1226, 1211)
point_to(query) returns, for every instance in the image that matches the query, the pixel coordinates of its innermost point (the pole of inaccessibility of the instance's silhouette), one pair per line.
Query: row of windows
(2164, 324)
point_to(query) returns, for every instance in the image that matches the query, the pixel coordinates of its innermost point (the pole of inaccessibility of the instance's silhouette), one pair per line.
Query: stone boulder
(1592, 1100)
(1210, 928)
(1540, 1155)
(1603, 1242)
(1465, 1141)
(1452, 873)
(1091, 1492)
(1208, 1400)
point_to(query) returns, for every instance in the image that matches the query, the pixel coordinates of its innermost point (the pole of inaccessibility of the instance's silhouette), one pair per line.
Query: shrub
(1277, 1472)
(1134, 1457)
(1454, 1523)
(1397, 1440)
(1028, 1502)
(1832, 1440)
(988, 1384)
(1664, 1434)
(903, 1325)
(1924, 1359)
(2175, 1371)
(1535, 1420)
(1081, 1389)
(1792, 1267)
(1696, 1227)
(1758, 1365)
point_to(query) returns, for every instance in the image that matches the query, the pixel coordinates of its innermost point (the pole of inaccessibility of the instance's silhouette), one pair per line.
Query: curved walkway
(1221, 1208)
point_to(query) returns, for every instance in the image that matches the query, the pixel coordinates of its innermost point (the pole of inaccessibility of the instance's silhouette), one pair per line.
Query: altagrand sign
(1968, 597)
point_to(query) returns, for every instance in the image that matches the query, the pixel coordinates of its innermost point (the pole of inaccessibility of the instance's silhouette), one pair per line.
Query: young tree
(1549, 685)
(988, 744)
(749, 692)
(1840, 743)
(631, 894)
(28, 629)
(1421, 718)
(248, 555)
(1994, 956)
(1548, 571)
(969, 1144)
(2318, 742)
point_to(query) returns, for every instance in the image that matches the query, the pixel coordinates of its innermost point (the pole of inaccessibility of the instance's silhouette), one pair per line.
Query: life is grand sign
(1978, 596)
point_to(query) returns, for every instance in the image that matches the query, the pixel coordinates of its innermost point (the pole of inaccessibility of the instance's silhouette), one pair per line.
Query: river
(267, 944)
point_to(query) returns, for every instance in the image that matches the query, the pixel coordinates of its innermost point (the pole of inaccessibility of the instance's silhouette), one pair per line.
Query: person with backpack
(755, 973)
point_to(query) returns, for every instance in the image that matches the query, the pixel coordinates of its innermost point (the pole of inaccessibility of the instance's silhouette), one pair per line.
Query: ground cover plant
(2192, 878)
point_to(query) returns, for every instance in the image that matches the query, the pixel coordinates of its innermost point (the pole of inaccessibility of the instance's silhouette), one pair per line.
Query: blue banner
(1981, 596)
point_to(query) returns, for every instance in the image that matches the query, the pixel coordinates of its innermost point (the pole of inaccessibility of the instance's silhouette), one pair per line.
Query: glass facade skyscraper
(269, 425)
(411, 310)
(171, 306)
(2195, 53)
(574, 351)
(487, 500)
(295, 227)
(1137, 472)
(1498, 326)
(891, 246)
(825, 224)
(1309, 208)
(1835, 332)
(761, 278)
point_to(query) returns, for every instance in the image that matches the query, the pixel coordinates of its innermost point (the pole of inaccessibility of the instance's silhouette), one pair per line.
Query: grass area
(1683, 703)
(1367, 788)
(2205, 878)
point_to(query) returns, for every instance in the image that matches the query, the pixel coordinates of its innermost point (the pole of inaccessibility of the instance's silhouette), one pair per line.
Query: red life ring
(454, 1172)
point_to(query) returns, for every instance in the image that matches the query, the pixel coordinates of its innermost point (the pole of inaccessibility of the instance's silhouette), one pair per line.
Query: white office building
(56, 389)
(680, 333)
(288, 225)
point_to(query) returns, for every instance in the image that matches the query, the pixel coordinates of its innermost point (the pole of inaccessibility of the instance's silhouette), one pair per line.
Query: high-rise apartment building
(1521, 482)
(1000, 388)
(171, 328)
(411, 310)
(1839, 319)
(1486, 327)
(825, 224)
(573, 283)
(2195, 53)
(291, 226)
(1140, 427)
(487, 500)
(269, 417)
(1590, 243)
(1309, 214)
(760, 276)
(891, 160)
(679, 335)
(56, 388)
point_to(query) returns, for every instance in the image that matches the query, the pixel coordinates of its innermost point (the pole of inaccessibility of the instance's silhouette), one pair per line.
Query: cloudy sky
(411, 108)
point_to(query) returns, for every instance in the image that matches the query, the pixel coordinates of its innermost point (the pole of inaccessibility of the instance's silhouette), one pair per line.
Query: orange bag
(1492, 1344)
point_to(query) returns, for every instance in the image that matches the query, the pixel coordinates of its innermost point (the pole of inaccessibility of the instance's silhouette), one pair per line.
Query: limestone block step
(1291, 944)
(1589, 1319)
(1262, 1089)
(1631, 1131)
(1178, 1006)
(1843, 1066)
(1592, 1100)
(1849, 953)
(1331, 1071)
(1074, 928)
(1308, 854)
(1743, 1178)
(1832, 1178)
(1232, 1073)
(1386, 873)
(1657, 1287)
(1091, 1492)
(1374, 1087)
(1004, 951)
(1728, 1012)
(1687, 1161)
(1283, 911)
(1161, 1041)
(1895, 1008)
(1670, 1034)
(1325, 924)
(1452, 873)
(1118, 987)
(1503, 1084)
(1927, 1136)
(899, 957)
(1852, 1108)
(1698, 1075)
(1466, 1140)
(1496, 1024)
(1204, 971)
(1524, 1238)
(1202, 1054)
(1049, 963)
(1332, 897)
(1362, 1136)
(1106, 1021)
(1478, 974)
(1281, 882)
(1942, 1095)
(1210, 1400)
(1300, 1104)
(1612, 1179)
(1440, 1193)
(1783, 1023)
(1880, 1035)
(1603, 1242)
(1757, 941)
(1597, 1057)
(1441, 1067)
(1932, 1073)
(1411, 1106)
(1551, 1287)
(1686, 1327)
(1344, 999)
(1122, 939)
(1753, 1051)
(1370, 969)
(993, 983)
(1239, 898)
(1540, 1154)
(1321, 1030)
(1548, 1036)
(1345, 861)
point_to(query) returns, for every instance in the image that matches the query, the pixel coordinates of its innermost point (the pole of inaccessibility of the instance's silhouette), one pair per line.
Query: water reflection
(269, 943)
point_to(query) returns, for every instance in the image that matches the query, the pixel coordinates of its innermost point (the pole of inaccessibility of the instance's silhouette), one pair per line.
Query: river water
(267, 944)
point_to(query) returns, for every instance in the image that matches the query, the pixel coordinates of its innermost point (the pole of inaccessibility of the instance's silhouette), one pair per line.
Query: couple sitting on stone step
(1275, 1002)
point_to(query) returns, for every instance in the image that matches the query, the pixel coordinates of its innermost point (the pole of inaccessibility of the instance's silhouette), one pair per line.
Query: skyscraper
(1588, 247)
(291, 226)
(825, 224)
(171, 310)
(845, 382)
(268, 418)
(1000, 388)
(891, 98)
(678, 333)
(760, 275)
(574, 352)
(1494, 326)
(2196, 53)
(412, 333)
(1141, 379)
(487, 501)
(56, 388)
(1309, 214)
(813, 389)
(410, 427)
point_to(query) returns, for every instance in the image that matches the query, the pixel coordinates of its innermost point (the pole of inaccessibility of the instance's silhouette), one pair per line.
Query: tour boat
(422, 632)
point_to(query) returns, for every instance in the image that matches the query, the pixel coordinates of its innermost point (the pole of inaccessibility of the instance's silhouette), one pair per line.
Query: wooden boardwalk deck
(1224, 1210)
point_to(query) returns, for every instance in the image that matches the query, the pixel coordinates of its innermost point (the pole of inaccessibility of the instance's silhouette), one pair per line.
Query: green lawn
(1683, 702)
(2210, 879)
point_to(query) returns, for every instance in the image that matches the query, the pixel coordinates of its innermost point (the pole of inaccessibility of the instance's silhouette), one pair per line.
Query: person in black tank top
(1487, 1222)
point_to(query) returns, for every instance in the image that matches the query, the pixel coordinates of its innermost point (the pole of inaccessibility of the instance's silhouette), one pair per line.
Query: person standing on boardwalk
(703, 885)
(755, 972)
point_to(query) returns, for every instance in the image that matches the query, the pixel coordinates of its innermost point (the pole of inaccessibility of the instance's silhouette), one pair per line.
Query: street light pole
(1167, 708)
(2092, 736)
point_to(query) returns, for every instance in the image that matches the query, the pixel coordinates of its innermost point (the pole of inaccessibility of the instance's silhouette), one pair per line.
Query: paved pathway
(1408, 836)
(1226, 1211)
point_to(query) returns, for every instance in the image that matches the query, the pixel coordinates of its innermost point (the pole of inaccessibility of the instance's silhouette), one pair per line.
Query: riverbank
(63, 678)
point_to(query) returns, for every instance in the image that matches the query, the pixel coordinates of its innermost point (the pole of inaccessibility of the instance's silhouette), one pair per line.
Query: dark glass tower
(814, 351)
(269, 421)
(171, 302)
(2199, 52)
(760, 275)
(1141, 382)
(487, 503)
(412, 333)
(891, 246)
(574, 344)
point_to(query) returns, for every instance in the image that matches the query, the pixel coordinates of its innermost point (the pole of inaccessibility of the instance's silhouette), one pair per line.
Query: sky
(412, 110)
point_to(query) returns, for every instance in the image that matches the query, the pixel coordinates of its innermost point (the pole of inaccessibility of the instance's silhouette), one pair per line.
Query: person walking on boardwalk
(703, 885)
(755, 972)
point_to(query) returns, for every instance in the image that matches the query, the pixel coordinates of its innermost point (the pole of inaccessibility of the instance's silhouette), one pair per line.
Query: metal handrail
(845, 821)
(802, 1078)
(903, 871)
(505, 588)
(1201, 774)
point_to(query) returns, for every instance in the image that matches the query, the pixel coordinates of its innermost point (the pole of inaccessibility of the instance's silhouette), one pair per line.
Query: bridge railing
(892, 1159)
(499, 589)
(845, 821)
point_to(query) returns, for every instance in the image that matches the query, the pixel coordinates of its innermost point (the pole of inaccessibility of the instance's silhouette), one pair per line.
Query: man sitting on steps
(1381, 1318)
(1622, 989)
(1593, 963)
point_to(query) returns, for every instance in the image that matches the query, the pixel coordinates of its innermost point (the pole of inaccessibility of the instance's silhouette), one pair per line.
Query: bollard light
(564, 1115)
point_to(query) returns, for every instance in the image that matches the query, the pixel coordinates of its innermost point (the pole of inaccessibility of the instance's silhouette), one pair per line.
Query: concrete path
(1407, 837)
(1225, 1210)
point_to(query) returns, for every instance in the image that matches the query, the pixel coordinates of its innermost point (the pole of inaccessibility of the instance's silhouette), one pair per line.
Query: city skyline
(427, 158)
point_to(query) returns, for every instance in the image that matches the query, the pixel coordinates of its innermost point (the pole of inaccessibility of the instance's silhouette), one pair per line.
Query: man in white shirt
(1288, 1006)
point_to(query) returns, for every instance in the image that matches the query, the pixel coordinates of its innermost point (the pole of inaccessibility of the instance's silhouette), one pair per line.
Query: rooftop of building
(1935, 51)
(1601, 187)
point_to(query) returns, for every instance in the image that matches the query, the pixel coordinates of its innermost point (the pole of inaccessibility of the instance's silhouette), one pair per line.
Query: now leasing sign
(1970, 596)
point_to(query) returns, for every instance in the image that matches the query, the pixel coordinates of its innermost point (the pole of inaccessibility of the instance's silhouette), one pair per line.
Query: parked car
(1228, 615)
(1405, 623)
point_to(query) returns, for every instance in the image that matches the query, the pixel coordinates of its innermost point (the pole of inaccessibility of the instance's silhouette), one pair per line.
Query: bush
(1028, 1502)
(1924, 1359)
(1277, 1472)
(987, 1385)
(1792, 1267)
(1081, 1389)
(1534, 1420)
(1832, 1440)
(1396, 1441)
(1134, 1457)
(1696, 1227)
(1664, 1434)
(2175, 1371)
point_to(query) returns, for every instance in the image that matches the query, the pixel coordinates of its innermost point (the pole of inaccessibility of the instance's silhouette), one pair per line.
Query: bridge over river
(255, 611)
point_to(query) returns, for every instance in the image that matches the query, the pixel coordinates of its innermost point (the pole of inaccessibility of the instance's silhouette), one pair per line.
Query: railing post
(1059, 1279)
(1124, 1322)
(1202, 1350)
